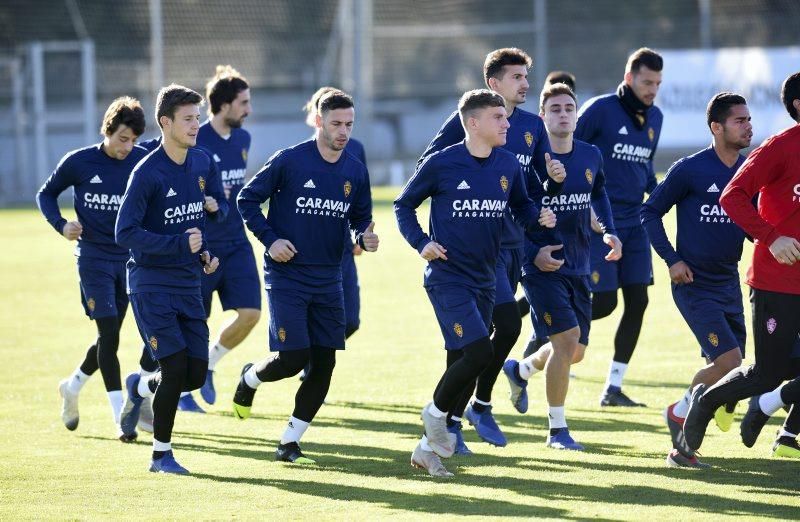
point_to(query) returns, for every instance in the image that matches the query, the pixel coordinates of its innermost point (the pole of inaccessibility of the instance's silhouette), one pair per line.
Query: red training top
(773, 171)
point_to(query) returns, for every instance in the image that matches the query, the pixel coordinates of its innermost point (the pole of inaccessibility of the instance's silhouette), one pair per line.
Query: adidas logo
(310, 184)
(216, 158)
(171, 193)
(623, 130)
(463, 186)
(96, 179)
(713, 188)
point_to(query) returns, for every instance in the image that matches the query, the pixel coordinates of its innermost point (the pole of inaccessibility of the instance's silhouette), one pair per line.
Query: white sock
(251, 379)
(456, 419)
(478, 401)
(215, 353)
(76, 381)
(116, 400)
(145, 374)
(771, 402)
(184, 394)
(785, 433)
(526, 367)
(161, 446)
(682, 407)
(144, 388)
(294, 430)
(424, 444)
(436, 412)
(615, 374)
(556, 416)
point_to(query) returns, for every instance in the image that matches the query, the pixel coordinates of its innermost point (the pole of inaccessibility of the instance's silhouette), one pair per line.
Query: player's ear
(629, 78)
(163, 121)
(318, 121)
(492, 83)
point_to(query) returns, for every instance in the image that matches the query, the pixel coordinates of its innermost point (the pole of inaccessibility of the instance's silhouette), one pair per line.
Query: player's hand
(210, 264)
(681, 274)
(555, 169)
(433, 250)
(210, 205)
(597, 227)
(357, 250)
(547, 218)
(72, 230)
(195, 240)
(282, 250)
(545, 261)
(616, 247)
(786, 250)
(370, 238)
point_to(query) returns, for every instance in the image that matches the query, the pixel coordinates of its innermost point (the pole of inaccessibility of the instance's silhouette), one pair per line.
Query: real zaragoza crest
(348, 187)
(244, 154)
(595, 277)
(589, 176)
(90, 304)
(202, 182)
(548, 319)
(504, 183)
(281, 334)
(153, 342)
(713, 339)
(651, 133)
(458, 329)
(529, 139)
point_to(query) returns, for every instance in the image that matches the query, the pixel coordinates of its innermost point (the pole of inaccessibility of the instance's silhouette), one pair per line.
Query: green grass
(363, 437)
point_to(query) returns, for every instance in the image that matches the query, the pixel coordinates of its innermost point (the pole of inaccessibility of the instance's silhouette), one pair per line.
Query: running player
(505, 72)
(704, 270)
(556, 269)
(772, 171)
(236, 282)
(314, 189)
(625, 126)
(98, 175)
(161, 220)
(470, 185)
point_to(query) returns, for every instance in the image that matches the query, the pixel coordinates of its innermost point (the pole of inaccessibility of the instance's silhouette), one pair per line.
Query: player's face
(183, 129)
(238, 109)
(491, 125)
(335, 127)
(121, 143)
(738, 130)
(560, 115)
(513, 85)
(645, 83)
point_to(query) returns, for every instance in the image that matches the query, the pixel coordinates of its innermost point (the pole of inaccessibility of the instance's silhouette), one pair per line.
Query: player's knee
(196, 375)
(248, 317)
(636, 299)
(603, 303)
(323, 360)
(578, 354)
(479, 353)
(728, 361)
(293, 361)
(506, 320)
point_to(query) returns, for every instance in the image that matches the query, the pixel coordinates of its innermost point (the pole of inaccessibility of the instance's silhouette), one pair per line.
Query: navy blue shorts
(715, 314)
(559, 302)
(235, 281)
(103, 287)
(300, 320)
(352, 297)
(635, 267)
(508, 272)
(464, 313)
(169, 323)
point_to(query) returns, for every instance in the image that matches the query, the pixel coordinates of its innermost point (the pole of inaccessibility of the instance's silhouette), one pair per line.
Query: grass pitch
(363, 437)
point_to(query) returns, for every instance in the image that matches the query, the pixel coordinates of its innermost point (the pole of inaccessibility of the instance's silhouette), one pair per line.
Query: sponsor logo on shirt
(463, 185)
(233, 176)
(479, 208)
(524, 159)
(96, 179)
(713, 188)
(310, 184)
(102, 201)
(713, 214)
(635, 153)
(181, 213)
(217, 158)
(568, 202)
(796, 196)
(321, 207)
(171, 193)
(623, 130)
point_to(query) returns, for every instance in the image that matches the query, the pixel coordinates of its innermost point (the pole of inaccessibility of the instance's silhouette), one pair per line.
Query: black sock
(555, 431)
(158, 454)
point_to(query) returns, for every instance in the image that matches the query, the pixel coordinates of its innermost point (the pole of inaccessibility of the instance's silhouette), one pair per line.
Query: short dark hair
(560, 77)
(224, 87)
(644, 57)
(499, 58)
(123, 111)
(554, 90)
(173, 96)
(478, 99)
(790, 91)
(334, 99)
(719, 108)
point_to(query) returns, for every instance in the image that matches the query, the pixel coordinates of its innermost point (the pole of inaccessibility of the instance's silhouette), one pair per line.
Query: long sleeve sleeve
(420, 187)
(258, 190)
(600, 202)
(47, 198)
(672, 190)
(361, 211)
(215, 190)
(736, 199)
(129, 231)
